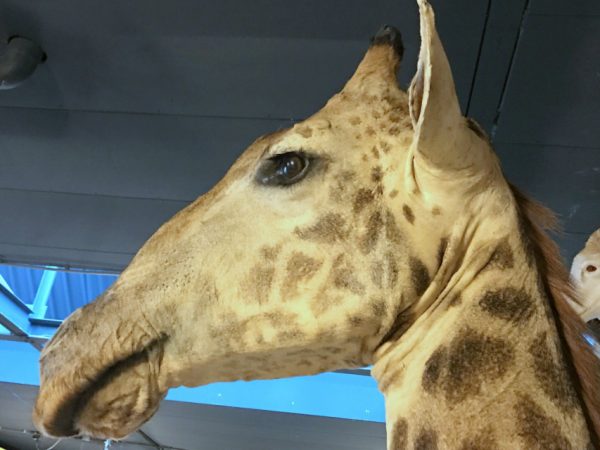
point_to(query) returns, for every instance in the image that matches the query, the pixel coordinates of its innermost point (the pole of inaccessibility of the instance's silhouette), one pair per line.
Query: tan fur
(586, 365)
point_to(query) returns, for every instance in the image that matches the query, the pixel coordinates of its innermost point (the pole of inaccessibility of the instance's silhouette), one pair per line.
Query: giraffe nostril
(591, 268)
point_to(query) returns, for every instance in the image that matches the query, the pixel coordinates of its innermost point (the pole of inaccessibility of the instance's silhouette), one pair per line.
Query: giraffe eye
(591, 268)
(283, 170)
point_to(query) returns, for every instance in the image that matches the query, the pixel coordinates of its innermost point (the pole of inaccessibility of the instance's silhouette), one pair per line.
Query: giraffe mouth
(112, 405)
(101, 378)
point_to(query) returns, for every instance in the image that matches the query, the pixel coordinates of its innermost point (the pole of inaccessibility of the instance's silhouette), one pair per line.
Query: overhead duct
(18, 60)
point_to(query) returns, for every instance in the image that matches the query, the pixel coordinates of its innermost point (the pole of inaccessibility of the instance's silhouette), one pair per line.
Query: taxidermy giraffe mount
(378, 231)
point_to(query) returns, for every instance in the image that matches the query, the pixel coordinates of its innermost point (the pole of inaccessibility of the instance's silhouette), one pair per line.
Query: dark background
(142, 105)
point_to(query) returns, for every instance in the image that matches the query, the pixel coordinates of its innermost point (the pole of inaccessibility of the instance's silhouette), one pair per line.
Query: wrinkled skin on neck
(259, 281)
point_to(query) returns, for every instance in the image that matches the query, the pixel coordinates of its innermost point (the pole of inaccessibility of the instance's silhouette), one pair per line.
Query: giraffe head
(585, 272)
(317, 248)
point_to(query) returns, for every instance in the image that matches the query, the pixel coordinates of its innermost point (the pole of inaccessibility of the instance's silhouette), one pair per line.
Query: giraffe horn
(378, 68)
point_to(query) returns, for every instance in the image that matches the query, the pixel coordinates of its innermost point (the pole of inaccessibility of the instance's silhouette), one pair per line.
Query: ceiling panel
(217, 428)
(121, 155)
(497, 48)
(80, 222)
(274, 59)
(561, 178)
(196, 426)
(154, 100)
(69, 258)
(553, 95)
(578, 7)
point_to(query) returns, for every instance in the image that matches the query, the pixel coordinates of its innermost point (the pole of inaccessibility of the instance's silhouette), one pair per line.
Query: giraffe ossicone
(378, 231)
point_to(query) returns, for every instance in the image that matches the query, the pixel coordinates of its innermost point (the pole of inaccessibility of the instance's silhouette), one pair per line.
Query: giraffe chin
(117, 403)
(125, 397)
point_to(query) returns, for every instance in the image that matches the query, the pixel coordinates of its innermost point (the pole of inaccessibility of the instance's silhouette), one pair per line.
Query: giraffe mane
(537, 221)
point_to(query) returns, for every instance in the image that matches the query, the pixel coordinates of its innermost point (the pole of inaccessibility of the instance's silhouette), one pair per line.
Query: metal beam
(14, 314)
(17, 318)
(40, 303)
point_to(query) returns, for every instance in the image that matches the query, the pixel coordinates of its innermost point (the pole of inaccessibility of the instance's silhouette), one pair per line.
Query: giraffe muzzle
(100, 378)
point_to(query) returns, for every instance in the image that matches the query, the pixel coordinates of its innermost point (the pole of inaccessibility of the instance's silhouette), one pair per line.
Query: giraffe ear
(441, 136)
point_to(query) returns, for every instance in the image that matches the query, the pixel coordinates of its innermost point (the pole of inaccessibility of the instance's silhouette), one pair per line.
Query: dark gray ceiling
(142, 105)
(192, 426)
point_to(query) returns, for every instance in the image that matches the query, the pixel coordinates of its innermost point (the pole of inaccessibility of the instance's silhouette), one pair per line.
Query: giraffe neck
(482, 366)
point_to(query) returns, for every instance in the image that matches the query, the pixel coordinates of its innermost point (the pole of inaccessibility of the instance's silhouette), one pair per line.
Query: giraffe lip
(112, 405)
(123, 397)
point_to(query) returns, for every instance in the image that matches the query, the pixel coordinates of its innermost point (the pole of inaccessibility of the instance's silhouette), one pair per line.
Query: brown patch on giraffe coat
(375, 152)
(426, 440)
(395, 130)
(329, 228)
(537, 430)
(370, 131)
(510, 304)
(394, 193)
(378, 307)
(385, 146)
(502, 257)
(340, 185)
(270, 252)
(485, 440)
(419, 276)
(433, 369)
(362, 198)
(408, 214)
(376, 174)
(470, 360)
(392, 230)
(552, 376)
(290, 335)
(369, 240)
(300, 268)
(355, 120)
(395, 118)
(399, 435)
(345, 279)
(436, 211)
(258, 282)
